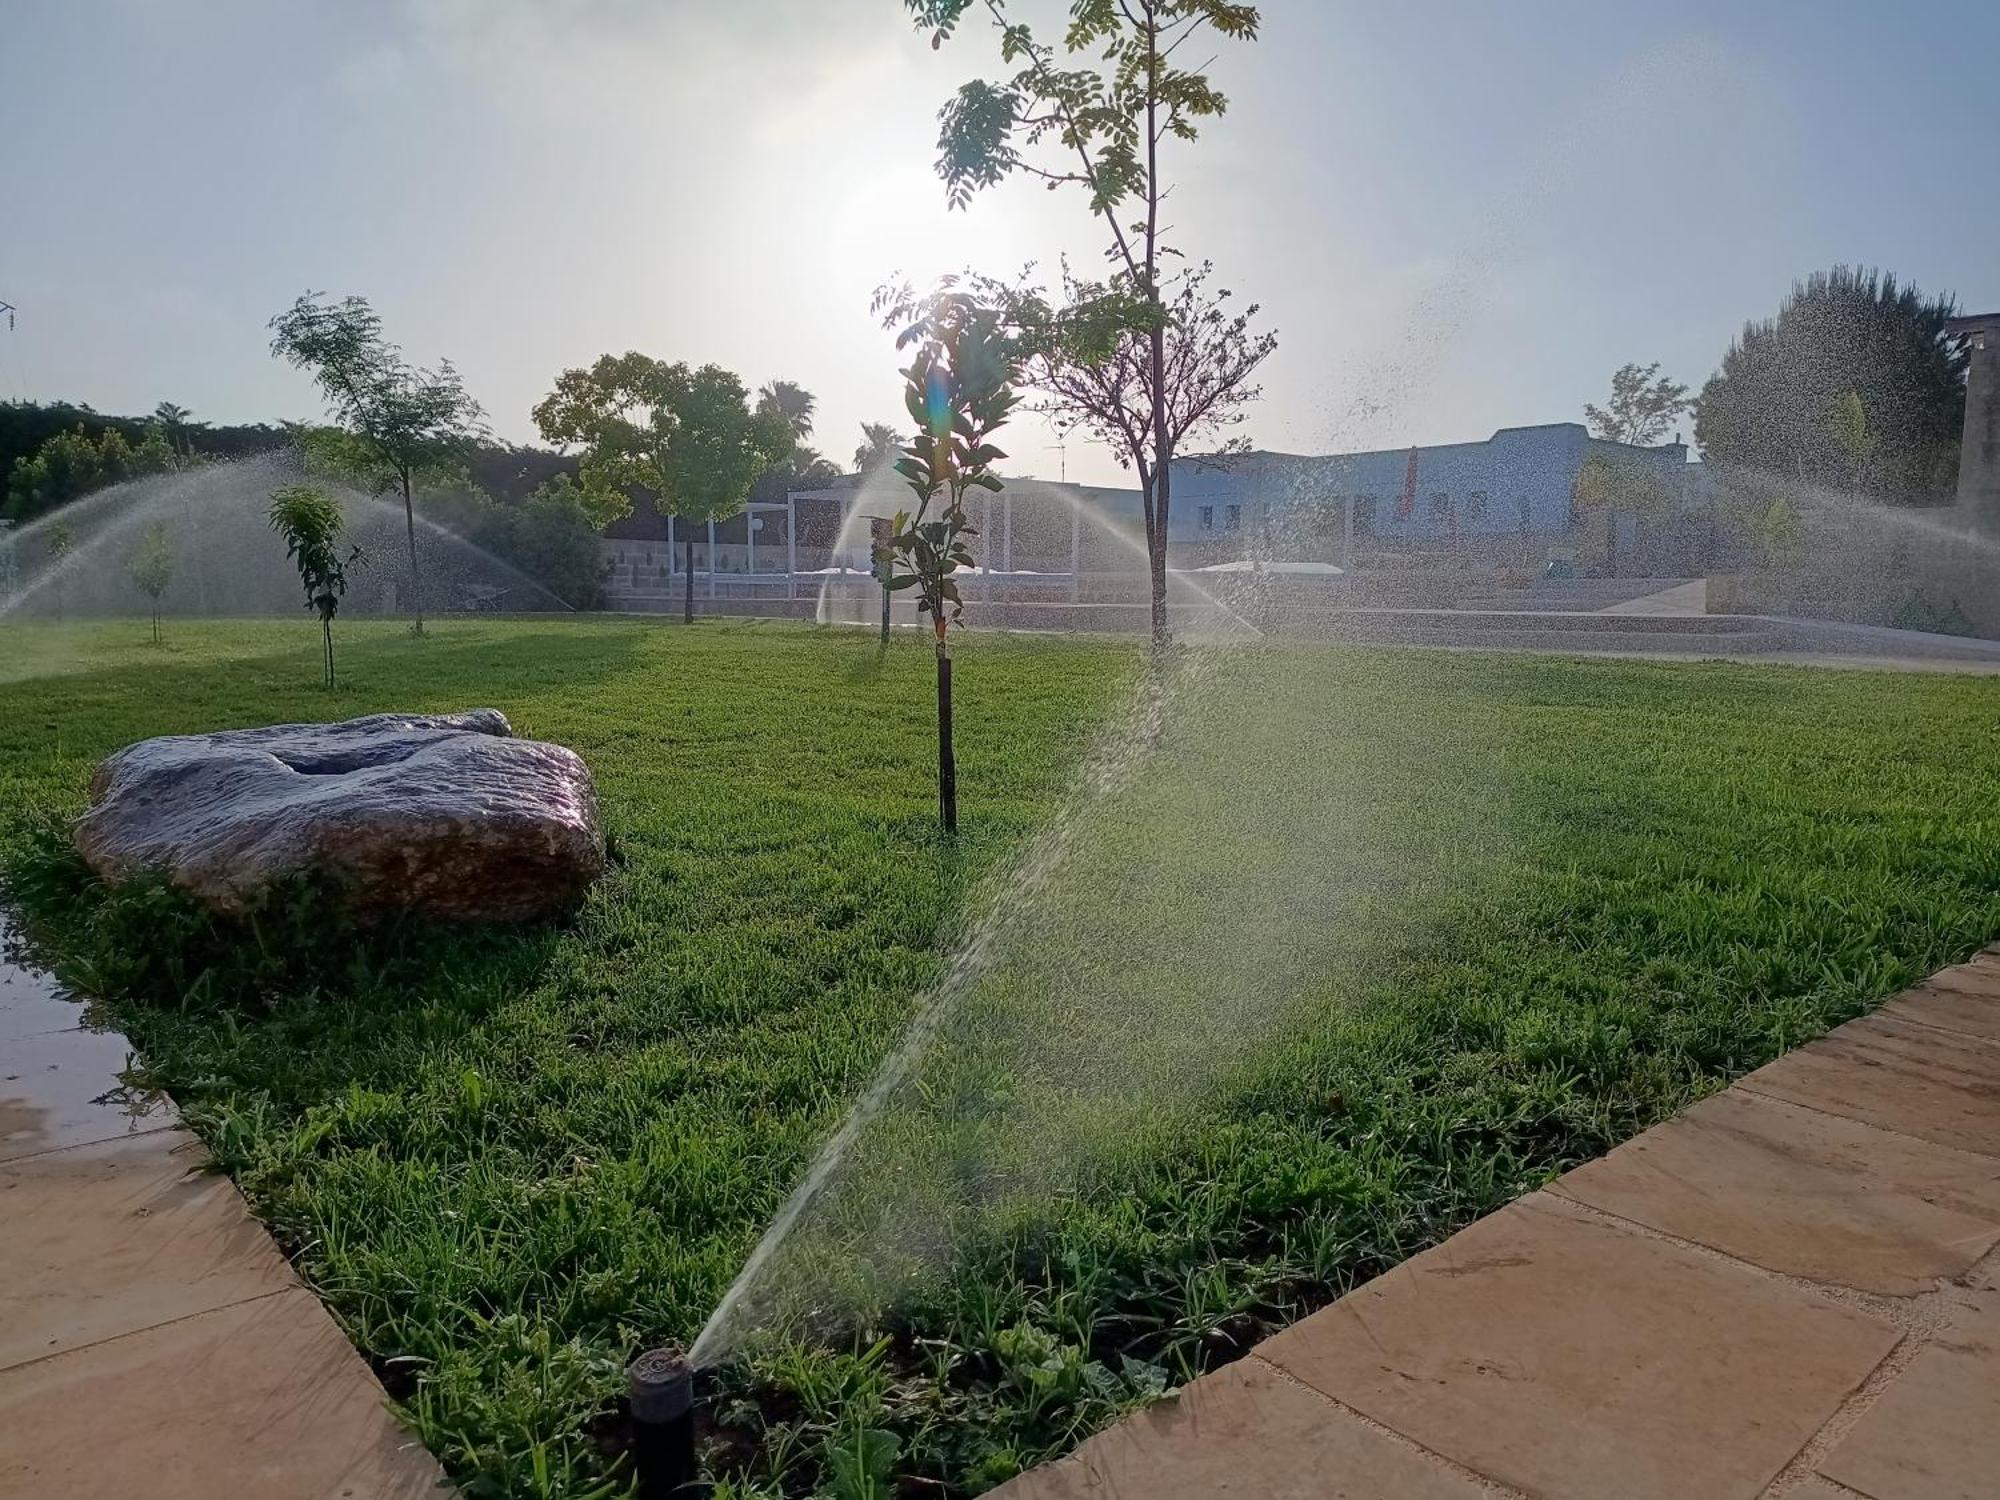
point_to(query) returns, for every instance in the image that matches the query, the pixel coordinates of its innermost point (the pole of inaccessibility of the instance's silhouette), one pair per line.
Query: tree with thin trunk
(151, 567)
(959, 390)
(1089, 354)
(62, 542)
(689, 436)
(1643, 408)
(1099, 128)
(312, 526)
(404, 417)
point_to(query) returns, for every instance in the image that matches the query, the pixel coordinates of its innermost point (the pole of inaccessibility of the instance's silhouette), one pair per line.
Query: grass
(1507, 911)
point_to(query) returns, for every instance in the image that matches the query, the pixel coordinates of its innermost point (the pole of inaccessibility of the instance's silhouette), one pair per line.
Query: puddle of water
(61, 1077)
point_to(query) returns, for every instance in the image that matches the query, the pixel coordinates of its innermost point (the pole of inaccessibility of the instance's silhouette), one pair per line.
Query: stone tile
(104, 1240)
(1925, 1083)
(1244, 1431)
(1955, 1007)
(63, 1089)
(1568, 1357)
(1935, 1433)
(264, 1400)
(1804, 1193)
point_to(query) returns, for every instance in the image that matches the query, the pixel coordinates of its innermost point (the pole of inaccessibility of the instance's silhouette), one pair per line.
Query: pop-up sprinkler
(660, 1387)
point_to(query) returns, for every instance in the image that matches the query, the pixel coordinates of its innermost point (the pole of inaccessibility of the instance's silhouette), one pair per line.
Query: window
(1208, 518)
(1475, 507)
(1526, 512)
(1440, 506)
(1232, 517)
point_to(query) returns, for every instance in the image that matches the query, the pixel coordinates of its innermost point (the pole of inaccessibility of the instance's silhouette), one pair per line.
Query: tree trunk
(326, 632)
(687, 579)
(947, 761)
(416, 578)
(1163, 450)
(885, 615)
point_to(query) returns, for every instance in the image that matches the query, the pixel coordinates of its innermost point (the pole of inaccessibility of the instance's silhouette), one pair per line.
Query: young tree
(404, 416)
(879, 446)
(1771, 408)
(312, 525)
(691, 437)
(1099, 129)
(62, 542)
(1643, 409)
(958, 388)
(1093, 364)
(151, 567)
(1617, 486)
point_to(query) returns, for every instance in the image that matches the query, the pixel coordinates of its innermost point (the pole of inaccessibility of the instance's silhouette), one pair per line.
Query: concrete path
(153, 1341)
(1791, 1289)
(1690, 598)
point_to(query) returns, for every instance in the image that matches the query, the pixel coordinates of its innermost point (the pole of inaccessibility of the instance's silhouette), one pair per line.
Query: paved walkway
(1791, 1289)
(152, 1339)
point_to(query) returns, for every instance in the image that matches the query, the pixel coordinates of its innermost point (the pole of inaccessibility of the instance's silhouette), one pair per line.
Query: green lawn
(1358, 947)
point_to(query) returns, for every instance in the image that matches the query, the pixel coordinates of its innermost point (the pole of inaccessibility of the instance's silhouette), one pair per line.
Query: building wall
(1520, 480)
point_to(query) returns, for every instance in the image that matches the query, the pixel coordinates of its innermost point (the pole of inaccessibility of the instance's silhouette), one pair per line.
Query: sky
(1456, 215)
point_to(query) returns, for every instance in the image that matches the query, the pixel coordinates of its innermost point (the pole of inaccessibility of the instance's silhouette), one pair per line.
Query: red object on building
(1407, 505)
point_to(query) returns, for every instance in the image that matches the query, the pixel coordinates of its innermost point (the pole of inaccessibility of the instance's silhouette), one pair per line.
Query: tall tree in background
(1643, 409)
(1066, 122)
(958, 389)
(405, 417)
(803, 468)
(691, 437)
(1780, 403)
(178, 423)
(879, 445)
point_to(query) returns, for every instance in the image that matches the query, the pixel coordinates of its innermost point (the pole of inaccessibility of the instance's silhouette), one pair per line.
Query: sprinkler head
(660, 1391)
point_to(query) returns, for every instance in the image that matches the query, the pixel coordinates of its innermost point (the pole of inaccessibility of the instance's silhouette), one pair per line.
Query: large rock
(448, 815)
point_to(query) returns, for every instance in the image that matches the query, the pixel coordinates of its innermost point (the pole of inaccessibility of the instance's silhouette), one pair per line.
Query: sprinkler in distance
(660, 1389)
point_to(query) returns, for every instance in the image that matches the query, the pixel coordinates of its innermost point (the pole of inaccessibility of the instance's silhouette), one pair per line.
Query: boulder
(447, 815)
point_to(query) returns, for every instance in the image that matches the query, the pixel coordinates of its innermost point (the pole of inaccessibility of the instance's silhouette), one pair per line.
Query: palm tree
(791, 401)
(880, 445)
(176, 421)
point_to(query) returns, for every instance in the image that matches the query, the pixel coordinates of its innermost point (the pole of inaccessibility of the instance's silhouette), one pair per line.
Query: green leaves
(689, 435)
(958, 391)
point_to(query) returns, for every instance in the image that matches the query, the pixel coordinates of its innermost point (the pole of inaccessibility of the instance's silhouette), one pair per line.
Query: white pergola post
(711, 557)
(670, 549)
(750, 520)
(1007, 532)
(791, 545)
(986, 532)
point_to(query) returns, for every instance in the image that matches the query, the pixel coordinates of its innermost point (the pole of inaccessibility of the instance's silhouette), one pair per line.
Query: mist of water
(1052, 551)
(1246, 841)
(228, 561)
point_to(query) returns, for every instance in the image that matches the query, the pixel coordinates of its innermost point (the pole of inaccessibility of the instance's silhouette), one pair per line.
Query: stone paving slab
(152, 1339)
(1791, 1290)
(1937, 1086)
(1566, 1356)
(1803, 1193)
(262, 1400)
(1249, 1431)
(1935, 1434)
(165, 1239)
(1971, 1005)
